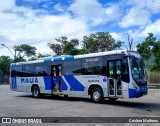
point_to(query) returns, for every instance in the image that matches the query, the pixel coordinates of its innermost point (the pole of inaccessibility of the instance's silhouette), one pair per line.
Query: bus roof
(70, 57)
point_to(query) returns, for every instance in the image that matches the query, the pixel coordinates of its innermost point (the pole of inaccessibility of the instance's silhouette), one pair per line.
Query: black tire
(36, 92)
(54, 96)
(113, 99)
(97, 95)
(65, 96)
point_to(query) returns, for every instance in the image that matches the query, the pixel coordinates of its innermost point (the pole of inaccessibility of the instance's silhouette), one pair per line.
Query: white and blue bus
(113, 74)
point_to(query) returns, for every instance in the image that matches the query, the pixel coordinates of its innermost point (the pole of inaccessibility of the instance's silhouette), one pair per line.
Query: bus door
(56, 71)
(114, 72)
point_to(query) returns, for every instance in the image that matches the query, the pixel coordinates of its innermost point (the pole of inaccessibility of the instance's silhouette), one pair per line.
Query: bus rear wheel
(97, 95)
(35, 92)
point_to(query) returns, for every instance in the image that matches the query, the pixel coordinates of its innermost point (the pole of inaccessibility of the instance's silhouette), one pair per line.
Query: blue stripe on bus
(57, 59)
(74, 83)
(64, 85)
(69, 57)
(48, 60)
(133, 93)
(48, 83)
(13, 83)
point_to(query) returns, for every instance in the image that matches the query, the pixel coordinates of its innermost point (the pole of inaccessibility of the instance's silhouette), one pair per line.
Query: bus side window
(29, 70)
(16, 71)
(87, 68)
(72, 67)
(98, 67)
(41, 69)
(93, 66)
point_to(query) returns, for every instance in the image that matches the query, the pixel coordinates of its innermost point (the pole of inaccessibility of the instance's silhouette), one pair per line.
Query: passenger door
(114, 73)
(56, 71)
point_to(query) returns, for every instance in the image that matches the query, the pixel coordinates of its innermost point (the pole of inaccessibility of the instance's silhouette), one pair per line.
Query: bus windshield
(137, 69)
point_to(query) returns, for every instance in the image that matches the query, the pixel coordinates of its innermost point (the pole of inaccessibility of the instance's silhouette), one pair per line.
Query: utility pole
(130, 42)
(10, 51)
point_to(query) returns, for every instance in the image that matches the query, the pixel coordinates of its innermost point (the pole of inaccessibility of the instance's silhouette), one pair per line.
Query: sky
(37, 22)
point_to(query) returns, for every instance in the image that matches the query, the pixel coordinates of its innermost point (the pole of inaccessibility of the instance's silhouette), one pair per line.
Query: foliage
(57, 48)
(19, 59)
(24, 50)
(5, 62)
(100, 42)
(66, 47)
(32, 59)
(39, 56)
(153, 77)
(145, 48)
(150, 48)
(149, 62)
(43, 55)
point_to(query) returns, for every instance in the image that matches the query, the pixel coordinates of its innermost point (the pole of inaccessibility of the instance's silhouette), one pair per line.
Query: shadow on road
(148, 106)
(49, 97)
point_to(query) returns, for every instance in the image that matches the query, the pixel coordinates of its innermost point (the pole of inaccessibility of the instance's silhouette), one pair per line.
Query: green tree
(22, 51)
(150, 48)
(39, 56)
(43, 55)
(32, 59)
(100, 42)
(156, 52)
(57, 48)
(66, 47)
(19, 59)
(145, 48)
(5, 62)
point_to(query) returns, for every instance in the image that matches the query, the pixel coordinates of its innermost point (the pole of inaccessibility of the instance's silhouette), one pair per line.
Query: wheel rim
(36, 92)
(96, 96)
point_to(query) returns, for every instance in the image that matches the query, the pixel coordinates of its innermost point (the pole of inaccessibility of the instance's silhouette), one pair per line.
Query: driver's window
(136, 70)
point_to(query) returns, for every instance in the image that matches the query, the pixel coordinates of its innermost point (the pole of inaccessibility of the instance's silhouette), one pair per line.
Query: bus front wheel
(36, 92)
(97, 95)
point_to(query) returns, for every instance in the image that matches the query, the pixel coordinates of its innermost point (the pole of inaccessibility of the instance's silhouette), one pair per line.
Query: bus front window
(137, 70)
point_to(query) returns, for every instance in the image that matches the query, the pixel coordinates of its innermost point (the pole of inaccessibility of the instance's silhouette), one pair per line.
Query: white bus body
(113, 74)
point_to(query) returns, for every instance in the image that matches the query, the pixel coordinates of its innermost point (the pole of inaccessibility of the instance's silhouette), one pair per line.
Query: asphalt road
(19, 104)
